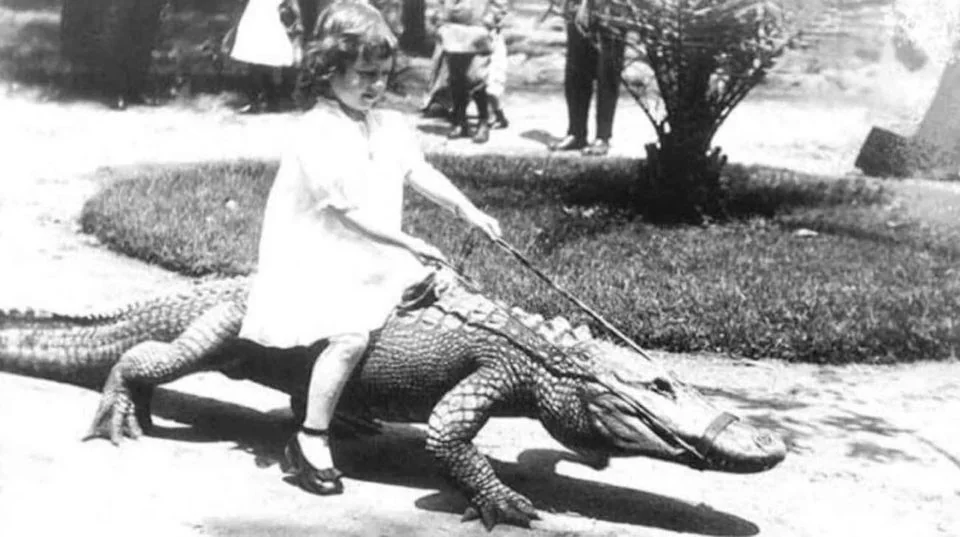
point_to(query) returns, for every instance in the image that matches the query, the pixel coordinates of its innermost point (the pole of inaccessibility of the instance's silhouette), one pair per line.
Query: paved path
(873, 450)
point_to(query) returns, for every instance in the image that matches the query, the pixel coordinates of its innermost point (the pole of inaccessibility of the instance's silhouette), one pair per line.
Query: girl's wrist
(465, 212)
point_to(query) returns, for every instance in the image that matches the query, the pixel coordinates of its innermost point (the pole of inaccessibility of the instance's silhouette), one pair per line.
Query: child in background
(465, 33)
(268, 37)
(497, 79)
(333, 261)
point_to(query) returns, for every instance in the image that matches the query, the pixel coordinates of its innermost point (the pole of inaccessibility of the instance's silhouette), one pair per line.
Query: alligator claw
(118, 415)
(508, 507)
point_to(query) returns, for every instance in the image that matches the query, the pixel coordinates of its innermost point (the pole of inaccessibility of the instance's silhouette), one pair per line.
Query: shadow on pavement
(399, 457)
(241, 527)
(797, 419)
(540, 136)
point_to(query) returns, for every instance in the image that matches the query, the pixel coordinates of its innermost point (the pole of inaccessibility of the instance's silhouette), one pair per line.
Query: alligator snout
(741, 448)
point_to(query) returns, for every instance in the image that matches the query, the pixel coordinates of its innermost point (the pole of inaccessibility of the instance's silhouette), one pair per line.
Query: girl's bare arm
(355, 220)
(434, 185)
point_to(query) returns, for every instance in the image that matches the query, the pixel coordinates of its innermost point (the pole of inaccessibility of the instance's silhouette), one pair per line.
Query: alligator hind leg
(125, 402)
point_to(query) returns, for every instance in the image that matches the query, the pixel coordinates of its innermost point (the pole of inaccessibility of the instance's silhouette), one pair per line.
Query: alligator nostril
(763, 440)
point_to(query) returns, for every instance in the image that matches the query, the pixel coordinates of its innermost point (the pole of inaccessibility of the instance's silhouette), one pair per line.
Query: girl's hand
(427, 251)
(486, 223)
(297, 54)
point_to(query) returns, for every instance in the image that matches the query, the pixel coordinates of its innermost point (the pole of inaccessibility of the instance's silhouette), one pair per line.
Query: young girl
(333, 261)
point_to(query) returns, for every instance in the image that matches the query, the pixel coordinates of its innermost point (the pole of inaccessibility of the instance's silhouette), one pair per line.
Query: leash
(570, 296)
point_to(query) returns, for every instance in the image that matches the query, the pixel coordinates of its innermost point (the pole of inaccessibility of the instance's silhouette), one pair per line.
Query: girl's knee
(350, 345)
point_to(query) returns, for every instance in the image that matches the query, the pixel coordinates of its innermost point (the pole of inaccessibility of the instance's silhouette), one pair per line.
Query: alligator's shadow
(398, 457)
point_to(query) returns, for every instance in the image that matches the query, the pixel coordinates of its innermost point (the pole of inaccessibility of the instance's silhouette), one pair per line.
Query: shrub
(861, 291)
(705, 56)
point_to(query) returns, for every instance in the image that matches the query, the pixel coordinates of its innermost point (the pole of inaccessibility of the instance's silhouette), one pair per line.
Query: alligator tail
(81, 349)
(75, 349)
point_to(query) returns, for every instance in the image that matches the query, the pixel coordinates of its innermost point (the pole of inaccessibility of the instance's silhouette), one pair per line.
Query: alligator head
(634, 407)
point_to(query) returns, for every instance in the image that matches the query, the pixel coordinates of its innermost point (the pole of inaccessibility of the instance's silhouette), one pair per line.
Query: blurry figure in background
(465, 36)
(109, 45)
(497, 80)
(268, 37)
(437, 102)
(593, 55)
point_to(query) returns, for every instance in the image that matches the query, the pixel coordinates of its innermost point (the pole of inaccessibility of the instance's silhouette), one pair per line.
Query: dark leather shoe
(598, 148)
(569, 143)
(499, 120)
(483, 133)
(459, 131)
(325, 482)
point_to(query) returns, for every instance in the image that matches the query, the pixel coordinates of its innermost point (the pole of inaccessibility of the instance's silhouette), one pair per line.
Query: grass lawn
(871, 286)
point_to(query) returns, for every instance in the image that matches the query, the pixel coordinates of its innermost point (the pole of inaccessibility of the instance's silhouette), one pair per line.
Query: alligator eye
(663, 386)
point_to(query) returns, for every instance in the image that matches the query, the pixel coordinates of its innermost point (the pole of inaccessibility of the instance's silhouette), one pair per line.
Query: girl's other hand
(486, 223)
(427, 251)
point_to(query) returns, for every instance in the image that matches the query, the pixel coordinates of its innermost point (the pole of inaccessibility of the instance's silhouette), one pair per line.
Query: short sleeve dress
(317, 277)
(261, 37)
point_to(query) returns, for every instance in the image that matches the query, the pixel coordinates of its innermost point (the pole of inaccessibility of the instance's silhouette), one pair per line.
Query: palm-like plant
(705, 57)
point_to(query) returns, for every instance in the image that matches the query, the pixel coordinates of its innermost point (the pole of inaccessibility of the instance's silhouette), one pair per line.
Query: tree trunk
(683, 175)
(938, 137)
(682, 171)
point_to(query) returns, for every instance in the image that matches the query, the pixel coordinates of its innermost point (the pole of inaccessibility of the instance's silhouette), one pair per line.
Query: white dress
(497, 72)
(316, 277)
(261, 37)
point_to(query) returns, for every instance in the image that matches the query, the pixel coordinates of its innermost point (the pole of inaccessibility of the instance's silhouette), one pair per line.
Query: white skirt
(261, 37)
(497, 73)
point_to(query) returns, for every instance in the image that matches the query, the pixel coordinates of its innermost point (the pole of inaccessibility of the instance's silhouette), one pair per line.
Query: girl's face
(362, 84)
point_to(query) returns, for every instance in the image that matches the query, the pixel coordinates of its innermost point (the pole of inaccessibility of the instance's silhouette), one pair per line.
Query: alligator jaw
(731, 445)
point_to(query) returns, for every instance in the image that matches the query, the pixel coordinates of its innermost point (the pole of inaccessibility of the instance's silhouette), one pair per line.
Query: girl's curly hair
(346, 31)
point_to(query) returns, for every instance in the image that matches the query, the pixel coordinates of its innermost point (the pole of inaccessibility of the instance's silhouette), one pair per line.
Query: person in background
(333, 262)
(465, 32)
(593, 55)
(489, 70)
(268, 37)
(109, 46)
(497, 79)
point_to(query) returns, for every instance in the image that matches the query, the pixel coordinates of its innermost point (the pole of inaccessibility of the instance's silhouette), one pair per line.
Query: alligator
(452, 359)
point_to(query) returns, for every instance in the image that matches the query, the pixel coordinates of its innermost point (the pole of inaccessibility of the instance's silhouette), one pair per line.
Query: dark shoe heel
(569, 143)
(325, 482)
(459, 131)
(482, 135)
(598, 148)
(500, 120)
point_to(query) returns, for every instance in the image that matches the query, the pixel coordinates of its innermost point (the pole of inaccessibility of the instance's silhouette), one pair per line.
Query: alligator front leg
(125, 403)
(454, 423)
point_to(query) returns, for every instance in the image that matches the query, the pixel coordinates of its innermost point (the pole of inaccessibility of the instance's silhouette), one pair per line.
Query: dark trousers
(112, 41)
(458, 69)
(588, 63)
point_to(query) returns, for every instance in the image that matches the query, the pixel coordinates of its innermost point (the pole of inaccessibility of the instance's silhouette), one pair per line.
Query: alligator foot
(504, 505)
(118, 415)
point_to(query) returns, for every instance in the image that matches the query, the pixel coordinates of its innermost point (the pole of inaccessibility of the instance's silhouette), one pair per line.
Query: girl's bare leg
(330, 374)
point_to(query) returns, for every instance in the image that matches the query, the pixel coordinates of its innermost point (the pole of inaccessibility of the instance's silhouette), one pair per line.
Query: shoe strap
(310, 431)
